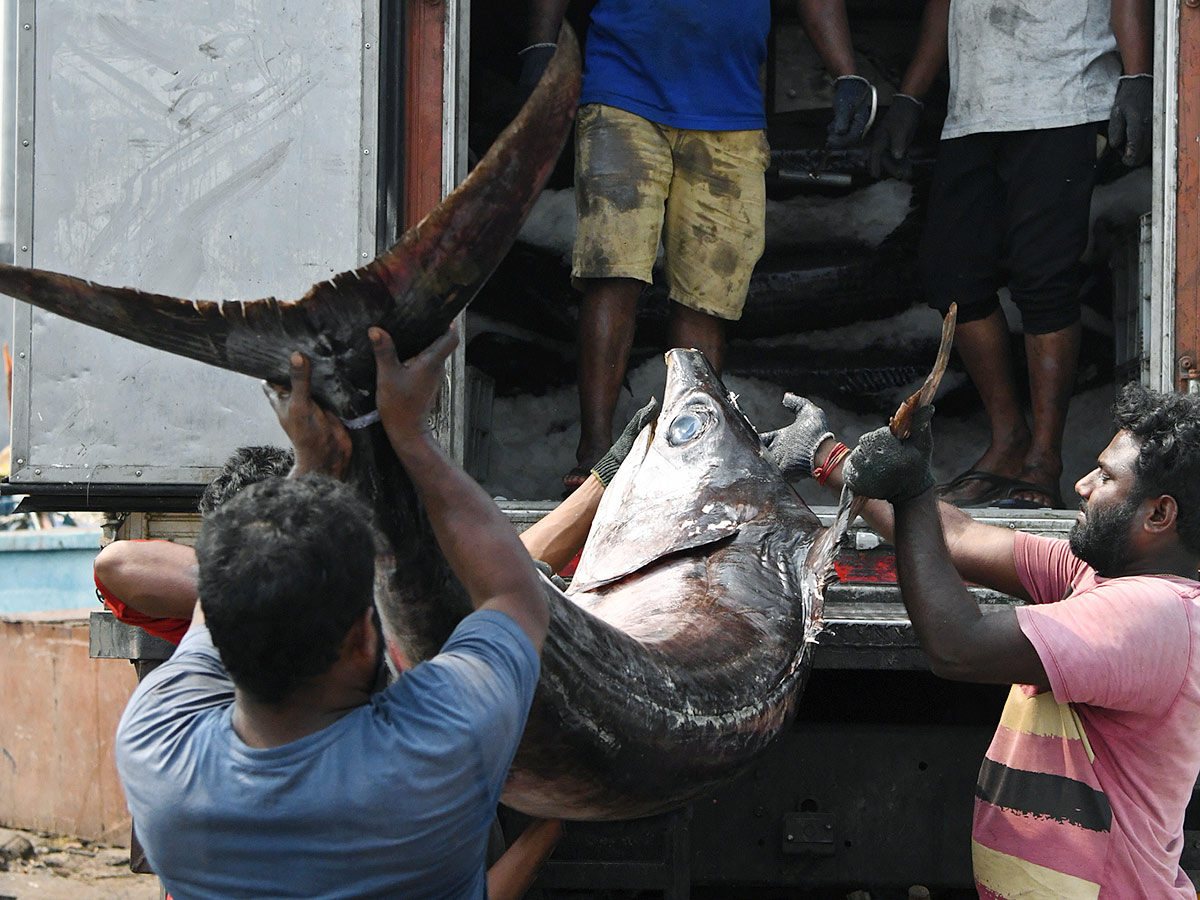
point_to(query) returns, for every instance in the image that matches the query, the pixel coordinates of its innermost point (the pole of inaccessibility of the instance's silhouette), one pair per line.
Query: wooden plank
(58, 721)
(1187, 216)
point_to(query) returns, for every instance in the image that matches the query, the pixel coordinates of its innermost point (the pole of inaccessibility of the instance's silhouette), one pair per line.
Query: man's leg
(698, 331)
(714, 233)
(1050, 173)
(984, 348)
(1053, 361)
(960, 251)
(606, 324)
(623, 168)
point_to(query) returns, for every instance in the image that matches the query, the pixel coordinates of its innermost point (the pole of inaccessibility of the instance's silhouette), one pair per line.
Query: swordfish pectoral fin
(414, 289)
(646, 548)
(824, 550)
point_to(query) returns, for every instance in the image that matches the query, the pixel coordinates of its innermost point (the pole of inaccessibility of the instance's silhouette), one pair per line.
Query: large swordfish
(685, 638)
(683, 647)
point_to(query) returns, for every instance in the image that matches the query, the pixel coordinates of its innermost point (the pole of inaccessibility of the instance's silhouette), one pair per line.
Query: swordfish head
(693, 479)
(685, 639)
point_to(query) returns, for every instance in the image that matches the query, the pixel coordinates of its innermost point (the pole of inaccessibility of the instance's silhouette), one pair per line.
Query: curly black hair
(247, 466)
(1167, 425)
(286, 567)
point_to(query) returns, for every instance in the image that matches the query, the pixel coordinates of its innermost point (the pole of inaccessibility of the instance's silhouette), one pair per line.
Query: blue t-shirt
(685, 63)
(393, 800)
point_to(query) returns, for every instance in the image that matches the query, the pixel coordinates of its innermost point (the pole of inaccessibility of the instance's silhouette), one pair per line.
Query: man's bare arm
(931, 51)
(545, 20)
(981, 553)
(556, 537)
(476, 538)
(157, 578)
(1133, 27)
(511, 875)
(962, 643)
(828, 29)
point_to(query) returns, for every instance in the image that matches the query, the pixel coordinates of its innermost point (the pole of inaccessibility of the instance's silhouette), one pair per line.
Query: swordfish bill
(413, 290)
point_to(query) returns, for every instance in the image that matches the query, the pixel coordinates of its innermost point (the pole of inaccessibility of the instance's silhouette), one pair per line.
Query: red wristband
(836, 455)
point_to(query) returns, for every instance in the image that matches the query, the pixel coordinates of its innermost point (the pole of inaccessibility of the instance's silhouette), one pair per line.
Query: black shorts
(1010, 207)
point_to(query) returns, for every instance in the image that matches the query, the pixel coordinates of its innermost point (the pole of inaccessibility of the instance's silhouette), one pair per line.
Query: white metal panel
(8, 96)
(210, 149)
(1160, 330)
(8, 119)
(455, 423)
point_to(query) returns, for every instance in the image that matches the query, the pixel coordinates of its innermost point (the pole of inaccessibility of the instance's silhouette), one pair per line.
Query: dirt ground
(37, 866)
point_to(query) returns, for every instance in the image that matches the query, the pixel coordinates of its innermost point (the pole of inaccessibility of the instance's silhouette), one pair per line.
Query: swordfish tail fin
(414, 289)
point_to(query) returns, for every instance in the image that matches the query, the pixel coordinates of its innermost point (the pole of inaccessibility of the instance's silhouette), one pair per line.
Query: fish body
(684, 643)
(682, 646)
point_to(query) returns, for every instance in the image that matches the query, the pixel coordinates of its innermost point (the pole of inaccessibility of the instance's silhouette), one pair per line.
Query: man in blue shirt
(670, 145)
(259, 761)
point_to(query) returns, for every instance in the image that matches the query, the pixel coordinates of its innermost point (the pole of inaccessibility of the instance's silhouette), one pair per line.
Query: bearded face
(1102, 539)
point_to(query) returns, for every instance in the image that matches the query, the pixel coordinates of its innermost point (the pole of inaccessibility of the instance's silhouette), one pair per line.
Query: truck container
(238, 150)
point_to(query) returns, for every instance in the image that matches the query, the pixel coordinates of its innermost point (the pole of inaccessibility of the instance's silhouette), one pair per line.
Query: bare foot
(1043, 487)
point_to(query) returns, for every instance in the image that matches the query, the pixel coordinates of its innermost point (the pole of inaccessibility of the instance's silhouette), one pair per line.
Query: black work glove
(887, 468)
(534, 60)
(853, 111)
(1130, 122)
(893, 137)
(544, 568)
(792, 446)
(607, 467)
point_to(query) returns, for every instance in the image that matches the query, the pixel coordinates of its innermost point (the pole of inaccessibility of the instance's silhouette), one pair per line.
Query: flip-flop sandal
(1025, 487)
(997, 486)
(574, 479)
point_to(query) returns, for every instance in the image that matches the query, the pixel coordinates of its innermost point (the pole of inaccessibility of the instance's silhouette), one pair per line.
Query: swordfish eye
(687, 426)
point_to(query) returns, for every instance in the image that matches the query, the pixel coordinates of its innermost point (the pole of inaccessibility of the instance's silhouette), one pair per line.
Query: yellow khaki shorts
(702, 192)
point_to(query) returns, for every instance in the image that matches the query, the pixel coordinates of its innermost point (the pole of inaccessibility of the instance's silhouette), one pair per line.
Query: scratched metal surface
(206, 150)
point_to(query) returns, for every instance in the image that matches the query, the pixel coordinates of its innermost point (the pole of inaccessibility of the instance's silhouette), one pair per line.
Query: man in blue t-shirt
(670, 145)
(259, 761)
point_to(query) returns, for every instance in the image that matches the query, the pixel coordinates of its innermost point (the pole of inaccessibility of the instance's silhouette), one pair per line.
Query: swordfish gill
(685, 641)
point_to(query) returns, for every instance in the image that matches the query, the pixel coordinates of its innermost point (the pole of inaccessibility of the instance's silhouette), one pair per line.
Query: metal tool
(814, 173)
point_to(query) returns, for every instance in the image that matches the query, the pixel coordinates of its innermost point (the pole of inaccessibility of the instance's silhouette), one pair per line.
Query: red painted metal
(866, 566)
(425, 43)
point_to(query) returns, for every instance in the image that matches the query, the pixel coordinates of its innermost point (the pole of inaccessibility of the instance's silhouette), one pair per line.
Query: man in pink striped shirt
(1083, 791)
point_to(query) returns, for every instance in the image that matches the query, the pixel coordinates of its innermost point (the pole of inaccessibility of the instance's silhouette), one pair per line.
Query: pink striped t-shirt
(1083, 790)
